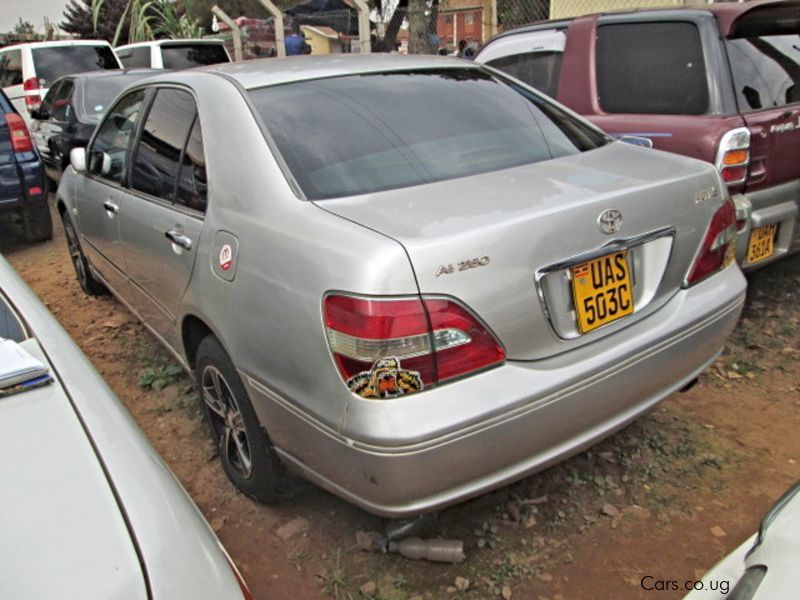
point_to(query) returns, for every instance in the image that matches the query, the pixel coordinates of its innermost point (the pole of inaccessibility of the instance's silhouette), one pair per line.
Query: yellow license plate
(762, 243)
(601, 290)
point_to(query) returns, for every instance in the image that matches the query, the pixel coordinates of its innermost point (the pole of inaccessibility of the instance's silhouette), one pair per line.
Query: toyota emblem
(610, 221)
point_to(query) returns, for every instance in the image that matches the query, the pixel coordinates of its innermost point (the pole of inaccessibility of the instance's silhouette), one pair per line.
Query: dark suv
(22, 184)
(720, 83)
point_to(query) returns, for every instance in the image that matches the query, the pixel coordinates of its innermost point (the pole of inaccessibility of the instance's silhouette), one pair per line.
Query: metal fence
(452, 27)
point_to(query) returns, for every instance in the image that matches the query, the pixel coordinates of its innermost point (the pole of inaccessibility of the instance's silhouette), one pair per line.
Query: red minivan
(720, 83)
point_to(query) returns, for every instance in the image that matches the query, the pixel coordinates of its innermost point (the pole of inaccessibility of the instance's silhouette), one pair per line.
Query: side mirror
(77, 158)
(39, 114)
(635, 140)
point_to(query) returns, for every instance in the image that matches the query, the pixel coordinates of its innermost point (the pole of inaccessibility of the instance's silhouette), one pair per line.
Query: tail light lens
(20, 137)
(733, 155)
(719, 245)
(385, 348)
(32, 98)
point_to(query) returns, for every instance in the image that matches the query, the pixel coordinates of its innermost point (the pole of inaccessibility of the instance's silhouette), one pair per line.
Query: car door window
(61, 102)
(109, 151)
(11, 68)
(163, 138)
(192, 183)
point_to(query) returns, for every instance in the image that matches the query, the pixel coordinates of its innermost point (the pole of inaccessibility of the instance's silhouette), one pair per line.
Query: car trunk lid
(504, 243)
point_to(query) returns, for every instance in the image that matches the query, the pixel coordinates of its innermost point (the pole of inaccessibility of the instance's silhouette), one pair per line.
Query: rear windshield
(185, 56)
(358, 134)
(99, 93)
(651, 68)
(57, 61)
(766, 70)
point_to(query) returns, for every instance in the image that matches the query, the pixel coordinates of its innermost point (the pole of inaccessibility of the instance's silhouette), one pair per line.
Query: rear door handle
(111, 207)
(176, 237)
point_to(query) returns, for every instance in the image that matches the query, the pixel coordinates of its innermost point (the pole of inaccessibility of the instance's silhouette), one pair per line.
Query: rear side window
(184, 56)
(365, 133)
(56, 61)
(651, 68)
(766, 70)
(10, 68)
(163, 139)
(134, 57)
(537, 69)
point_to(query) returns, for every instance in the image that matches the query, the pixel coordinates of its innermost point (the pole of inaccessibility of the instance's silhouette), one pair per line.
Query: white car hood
(62, 534)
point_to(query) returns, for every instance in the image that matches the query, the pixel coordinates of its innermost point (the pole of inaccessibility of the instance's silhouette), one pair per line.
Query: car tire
(244, 447)
(37, 224)
(88, 283)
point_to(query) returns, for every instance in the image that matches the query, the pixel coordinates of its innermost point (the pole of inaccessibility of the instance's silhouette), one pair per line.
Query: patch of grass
(160, 376)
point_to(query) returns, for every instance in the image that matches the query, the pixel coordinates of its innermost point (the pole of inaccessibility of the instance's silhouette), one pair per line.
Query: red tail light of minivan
(388, 347)
(32, 100)
(718, 248)
(733, 156)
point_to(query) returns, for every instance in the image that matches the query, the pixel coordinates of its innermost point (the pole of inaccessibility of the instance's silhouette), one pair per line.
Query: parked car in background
(719, 82)
(173, 54)
(91, 503)
(28, 70)
(416, 279)
(23, 190)
(72, 109)
(764, 567)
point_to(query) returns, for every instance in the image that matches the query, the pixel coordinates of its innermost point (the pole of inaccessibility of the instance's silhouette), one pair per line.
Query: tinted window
(49, 99)
(135, 57)
(184, 56)
(99, 92)
(358, 134)
(11, 68)
(537, 69)
(57, 61)
(109, 152)
(651, 68)
(62, 105)
(766, 70)
(192, 182)
(164, 134)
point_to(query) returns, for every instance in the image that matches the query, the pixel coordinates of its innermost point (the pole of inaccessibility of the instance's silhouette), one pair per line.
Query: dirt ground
(664, 498)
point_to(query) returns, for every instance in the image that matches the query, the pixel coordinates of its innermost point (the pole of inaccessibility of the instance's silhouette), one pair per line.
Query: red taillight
(733, 155)
(18, 131)
(32, 98)
(719, 243)
(385, 348)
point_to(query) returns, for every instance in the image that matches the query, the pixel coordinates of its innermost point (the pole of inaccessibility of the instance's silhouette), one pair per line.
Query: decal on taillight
(386, 379)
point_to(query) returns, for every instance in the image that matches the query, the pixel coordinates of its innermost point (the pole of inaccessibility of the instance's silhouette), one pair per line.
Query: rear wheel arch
(193, 331)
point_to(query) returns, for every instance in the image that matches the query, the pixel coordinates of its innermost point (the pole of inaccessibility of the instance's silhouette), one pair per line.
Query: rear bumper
(779, 204)
(15, 181)
(410, 455)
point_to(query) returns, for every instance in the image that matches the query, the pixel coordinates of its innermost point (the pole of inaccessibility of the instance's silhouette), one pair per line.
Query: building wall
(560, 9)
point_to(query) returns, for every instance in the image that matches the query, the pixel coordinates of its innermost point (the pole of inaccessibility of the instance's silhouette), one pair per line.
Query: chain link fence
(447, 27)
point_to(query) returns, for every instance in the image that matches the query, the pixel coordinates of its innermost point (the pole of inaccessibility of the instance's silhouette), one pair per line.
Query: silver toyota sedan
(89, 509)
(410, 279)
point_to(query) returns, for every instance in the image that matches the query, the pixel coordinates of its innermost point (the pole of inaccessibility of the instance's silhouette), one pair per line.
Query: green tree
(24, 27)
